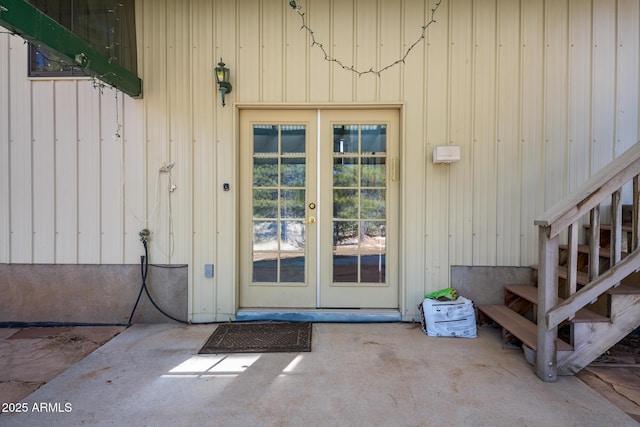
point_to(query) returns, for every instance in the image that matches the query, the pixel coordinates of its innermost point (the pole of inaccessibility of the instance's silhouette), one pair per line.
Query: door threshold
(319, 315)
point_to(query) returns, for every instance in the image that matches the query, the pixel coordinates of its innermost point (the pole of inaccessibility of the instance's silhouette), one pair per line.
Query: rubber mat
(280, 337)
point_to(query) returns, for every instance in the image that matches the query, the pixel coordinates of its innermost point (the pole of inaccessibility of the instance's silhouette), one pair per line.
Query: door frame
(344, 313)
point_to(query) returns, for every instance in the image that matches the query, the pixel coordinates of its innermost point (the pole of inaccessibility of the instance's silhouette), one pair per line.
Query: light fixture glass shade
(222, 73)
(222, 78)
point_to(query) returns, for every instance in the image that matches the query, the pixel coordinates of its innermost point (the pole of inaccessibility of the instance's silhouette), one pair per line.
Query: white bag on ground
(448, 318)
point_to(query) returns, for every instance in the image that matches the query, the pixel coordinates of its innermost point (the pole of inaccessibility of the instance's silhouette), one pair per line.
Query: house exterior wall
(539, 95)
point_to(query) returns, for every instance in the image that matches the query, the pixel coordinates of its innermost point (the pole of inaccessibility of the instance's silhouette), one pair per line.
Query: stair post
(546, 353)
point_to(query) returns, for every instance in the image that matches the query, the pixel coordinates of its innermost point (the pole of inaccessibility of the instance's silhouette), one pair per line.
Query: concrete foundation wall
(90, 293)
(485, 285)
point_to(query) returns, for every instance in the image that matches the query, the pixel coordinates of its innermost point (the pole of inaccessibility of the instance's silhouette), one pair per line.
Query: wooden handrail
(566, 215)
(592, 192)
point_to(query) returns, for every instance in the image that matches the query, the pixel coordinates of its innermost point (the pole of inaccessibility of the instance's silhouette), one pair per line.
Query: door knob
(311, 220)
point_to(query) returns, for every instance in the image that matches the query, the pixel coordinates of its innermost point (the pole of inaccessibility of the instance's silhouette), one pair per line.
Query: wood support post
(616, 228)
(594, 243)
(546, 353)
(572, 261)
(635, 214)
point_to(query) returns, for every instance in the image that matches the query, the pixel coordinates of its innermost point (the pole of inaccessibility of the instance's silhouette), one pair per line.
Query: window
(108, 25)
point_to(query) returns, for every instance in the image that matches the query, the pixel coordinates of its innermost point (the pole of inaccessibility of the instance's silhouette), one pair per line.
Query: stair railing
(566, 215)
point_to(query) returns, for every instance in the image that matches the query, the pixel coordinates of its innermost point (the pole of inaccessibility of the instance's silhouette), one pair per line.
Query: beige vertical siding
(484, 151)
(628, 59)
(20, 157)
(436, 116)
(413, 156)
(202, 297)
(5, 187)
(508, 156)
(88, 166)
(67, 176)
(580, 76)
(539, 95)
(532, 133)
(227, 39)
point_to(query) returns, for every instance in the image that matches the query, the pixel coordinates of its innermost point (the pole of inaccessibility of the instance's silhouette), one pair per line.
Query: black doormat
(280, 337)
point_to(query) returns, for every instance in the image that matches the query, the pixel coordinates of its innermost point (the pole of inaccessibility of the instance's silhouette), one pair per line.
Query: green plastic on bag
(450, 294)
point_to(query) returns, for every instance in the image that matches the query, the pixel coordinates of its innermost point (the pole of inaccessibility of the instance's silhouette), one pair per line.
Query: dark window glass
(108, 25)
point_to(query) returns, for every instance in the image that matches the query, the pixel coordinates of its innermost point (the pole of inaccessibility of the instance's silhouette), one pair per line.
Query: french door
(318, 208)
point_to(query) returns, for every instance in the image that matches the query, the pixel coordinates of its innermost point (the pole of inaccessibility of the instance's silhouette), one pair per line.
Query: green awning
(24, 20)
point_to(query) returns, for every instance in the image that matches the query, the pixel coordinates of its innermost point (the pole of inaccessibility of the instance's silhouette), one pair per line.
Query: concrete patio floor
(357, 374)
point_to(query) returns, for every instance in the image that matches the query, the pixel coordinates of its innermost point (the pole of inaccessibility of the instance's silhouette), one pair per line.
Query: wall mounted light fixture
(222, 77)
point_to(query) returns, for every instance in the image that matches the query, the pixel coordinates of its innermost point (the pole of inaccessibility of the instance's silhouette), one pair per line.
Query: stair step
(530, 293)
(624, 290)
(523, 329)
(582, 278)
(584, 249)
(627, 228)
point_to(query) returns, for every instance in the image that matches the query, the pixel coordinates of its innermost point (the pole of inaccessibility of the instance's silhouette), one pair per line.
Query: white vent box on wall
(446, 154)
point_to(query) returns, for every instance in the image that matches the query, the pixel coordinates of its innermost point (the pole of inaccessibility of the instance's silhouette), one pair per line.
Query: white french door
(318, 209)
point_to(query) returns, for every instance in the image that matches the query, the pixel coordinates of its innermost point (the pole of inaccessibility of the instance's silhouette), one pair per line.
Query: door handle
(394, 169)
(311, 220)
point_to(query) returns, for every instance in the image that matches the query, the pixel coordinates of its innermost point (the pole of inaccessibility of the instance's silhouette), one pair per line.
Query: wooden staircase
(590, 334)
(587, 296)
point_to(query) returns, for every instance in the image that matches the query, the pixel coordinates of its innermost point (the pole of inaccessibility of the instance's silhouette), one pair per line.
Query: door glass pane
(345, 268)
(292, 259)
(345, 204)
(265, 266)
(265, 236)
(292, 236)
(372, 204)
(293, 172)
(291, 267)
(279, 181)
(374, 172)
(345, 236)
(345, 251)
(292, 204)
(372, 268)
(265, 203)
(293, 139)
(265, 139)
(359, 203)
(372, 249)
(374, 139)
(345, 171)
(345, 139)
(265, 172)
